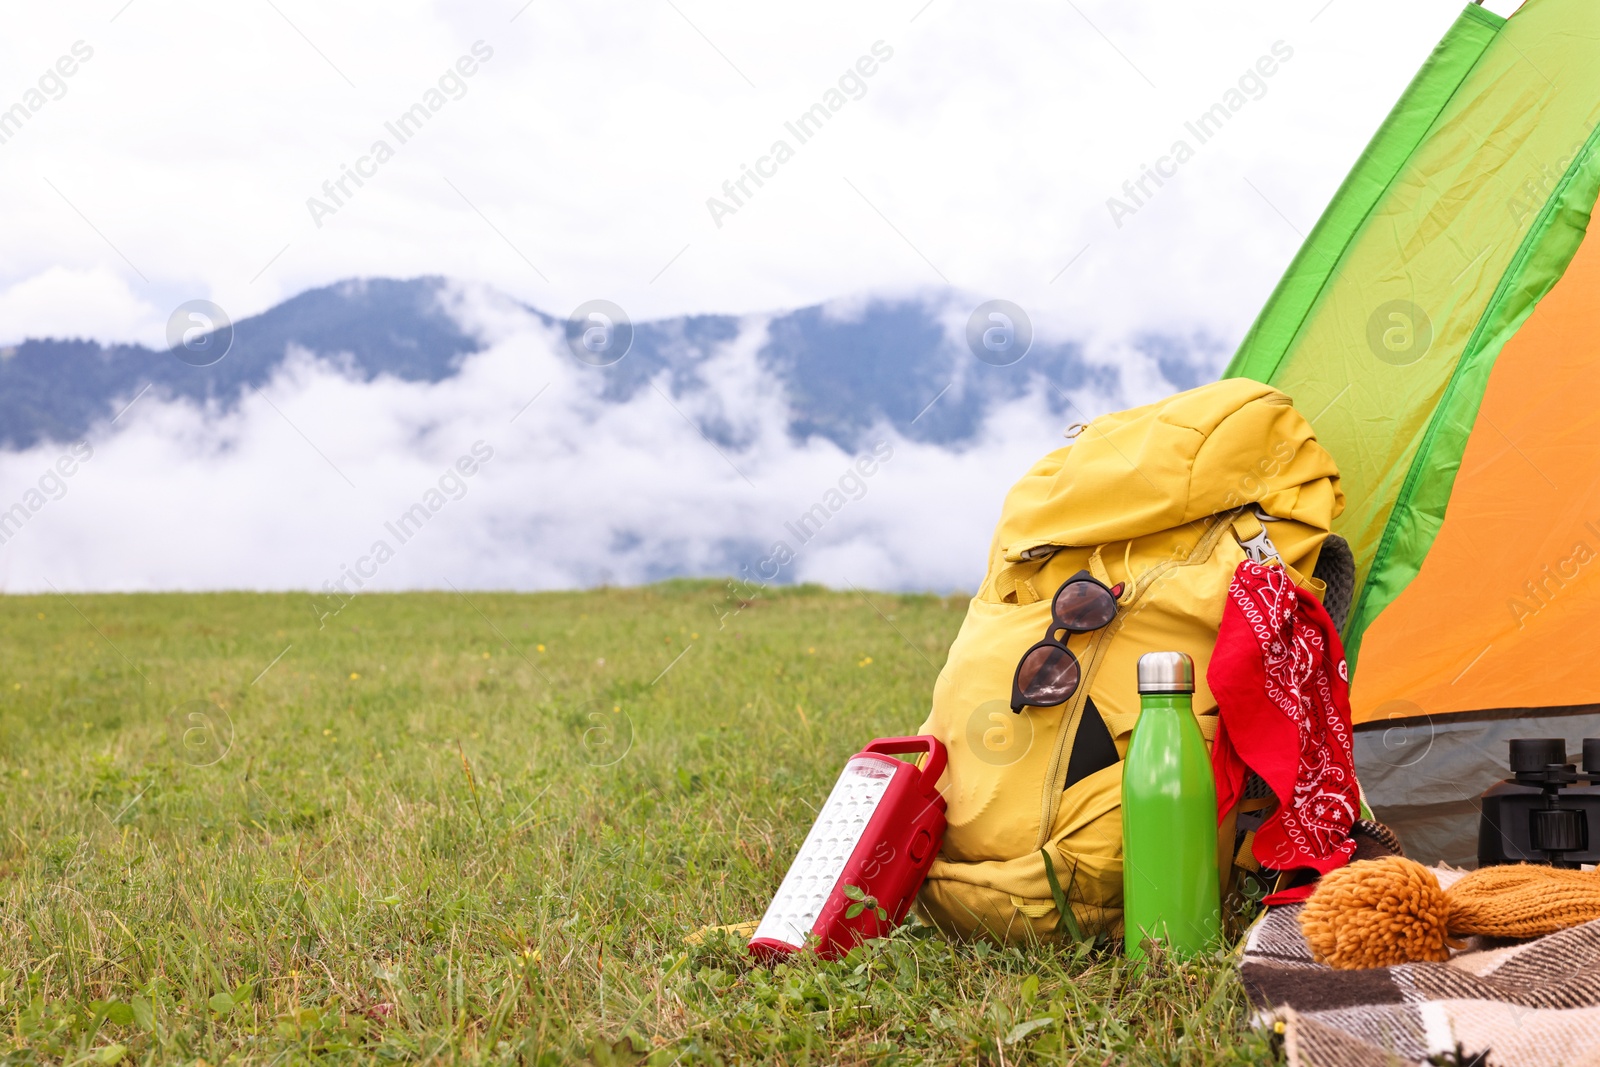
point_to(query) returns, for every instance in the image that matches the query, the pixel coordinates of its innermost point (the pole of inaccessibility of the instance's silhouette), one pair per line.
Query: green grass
(479, 829)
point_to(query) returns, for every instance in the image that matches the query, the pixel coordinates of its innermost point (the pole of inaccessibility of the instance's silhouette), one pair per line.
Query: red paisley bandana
(1283, 695)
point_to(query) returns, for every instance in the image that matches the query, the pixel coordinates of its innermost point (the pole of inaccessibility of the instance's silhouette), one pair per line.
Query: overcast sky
(155, 153)
(577, 160)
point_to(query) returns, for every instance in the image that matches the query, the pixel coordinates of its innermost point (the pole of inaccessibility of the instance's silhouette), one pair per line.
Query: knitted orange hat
(1378, 913)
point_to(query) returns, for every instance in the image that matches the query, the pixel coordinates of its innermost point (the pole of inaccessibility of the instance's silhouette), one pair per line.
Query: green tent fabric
(1462, 213)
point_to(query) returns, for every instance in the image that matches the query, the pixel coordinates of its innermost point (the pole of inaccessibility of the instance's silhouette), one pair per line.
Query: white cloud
(95, 304)
(296, 485)
(593, 137)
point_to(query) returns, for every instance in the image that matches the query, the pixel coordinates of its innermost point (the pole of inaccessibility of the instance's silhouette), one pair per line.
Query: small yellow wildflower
(865, 662)
(354, 676)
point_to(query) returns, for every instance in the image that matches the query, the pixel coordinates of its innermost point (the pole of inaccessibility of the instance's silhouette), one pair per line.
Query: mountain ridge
(886, 363)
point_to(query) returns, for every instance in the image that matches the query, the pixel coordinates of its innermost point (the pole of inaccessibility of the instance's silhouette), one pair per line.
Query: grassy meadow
(438, 828)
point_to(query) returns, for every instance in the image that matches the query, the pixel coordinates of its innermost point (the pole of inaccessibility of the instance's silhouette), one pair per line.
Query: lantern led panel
(878, 831)
(828, 847)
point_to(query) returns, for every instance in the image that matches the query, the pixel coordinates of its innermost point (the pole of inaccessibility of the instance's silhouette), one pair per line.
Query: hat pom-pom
(1377, 913)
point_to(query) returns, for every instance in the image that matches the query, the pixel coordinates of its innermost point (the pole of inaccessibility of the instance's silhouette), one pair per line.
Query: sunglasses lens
(1084, 606)
(1048, 676)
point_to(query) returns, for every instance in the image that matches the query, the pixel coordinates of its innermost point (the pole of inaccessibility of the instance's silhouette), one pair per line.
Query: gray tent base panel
(1423, 776)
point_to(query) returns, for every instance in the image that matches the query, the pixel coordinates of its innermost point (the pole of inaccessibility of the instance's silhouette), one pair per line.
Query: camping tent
(1440, 327)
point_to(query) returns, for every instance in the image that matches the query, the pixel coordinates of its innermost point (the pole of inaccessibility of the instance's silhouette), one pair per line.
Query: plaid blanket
(1508, 1004)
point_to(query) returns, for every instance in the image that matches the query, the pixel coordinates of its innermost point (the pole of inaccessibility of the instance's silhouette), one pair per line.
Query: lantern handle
(933, 766)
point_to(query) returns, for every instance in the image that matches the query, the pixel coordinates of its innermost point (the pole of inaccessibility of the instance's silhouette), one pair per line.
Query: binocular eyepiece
(1548, 812)
(1532, 758)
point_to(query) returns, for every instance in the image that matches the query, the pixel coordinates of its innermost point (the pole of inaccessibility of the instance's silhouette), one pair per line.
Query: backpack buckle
(1260, 548)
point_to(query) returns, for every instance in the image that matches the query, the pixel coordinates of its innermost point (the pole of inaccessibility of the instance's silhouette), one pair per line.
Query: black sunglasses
(1048, 673)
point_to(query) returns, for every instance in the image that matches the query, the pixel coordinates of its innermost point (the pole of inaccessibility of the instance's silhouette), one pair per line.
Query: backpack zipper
(1055, 773)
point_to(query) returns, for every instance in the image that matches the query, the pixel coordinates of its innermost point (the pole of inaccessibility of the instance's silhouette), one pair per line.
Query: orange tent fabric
(1507, 603)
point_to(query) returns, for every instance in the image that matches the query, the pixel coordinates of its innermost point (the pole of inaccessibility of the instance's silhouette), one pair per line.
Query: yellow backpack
(1166, 499)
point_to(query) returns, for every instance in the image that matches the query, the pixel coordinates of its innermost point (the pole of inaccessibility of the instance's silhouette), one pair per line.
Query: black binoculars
(1548, 812)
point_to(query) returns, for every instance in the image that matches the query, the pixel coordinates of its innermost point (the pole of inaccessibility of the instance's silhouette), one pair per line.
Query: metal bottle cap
(1166, 672)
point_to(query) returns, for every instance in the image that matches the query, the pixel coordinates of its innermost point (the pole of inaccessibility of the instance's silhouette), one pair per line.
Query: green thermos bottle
(1169, 817)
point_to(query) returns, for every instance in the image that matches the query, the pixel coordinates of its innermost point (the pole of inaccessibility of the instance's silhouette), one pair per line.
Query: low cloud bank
(299, 485)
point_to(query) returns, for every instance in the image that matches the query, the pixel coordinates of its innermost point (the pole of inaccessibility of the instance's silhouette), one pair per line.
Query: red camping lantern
(874, 838)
